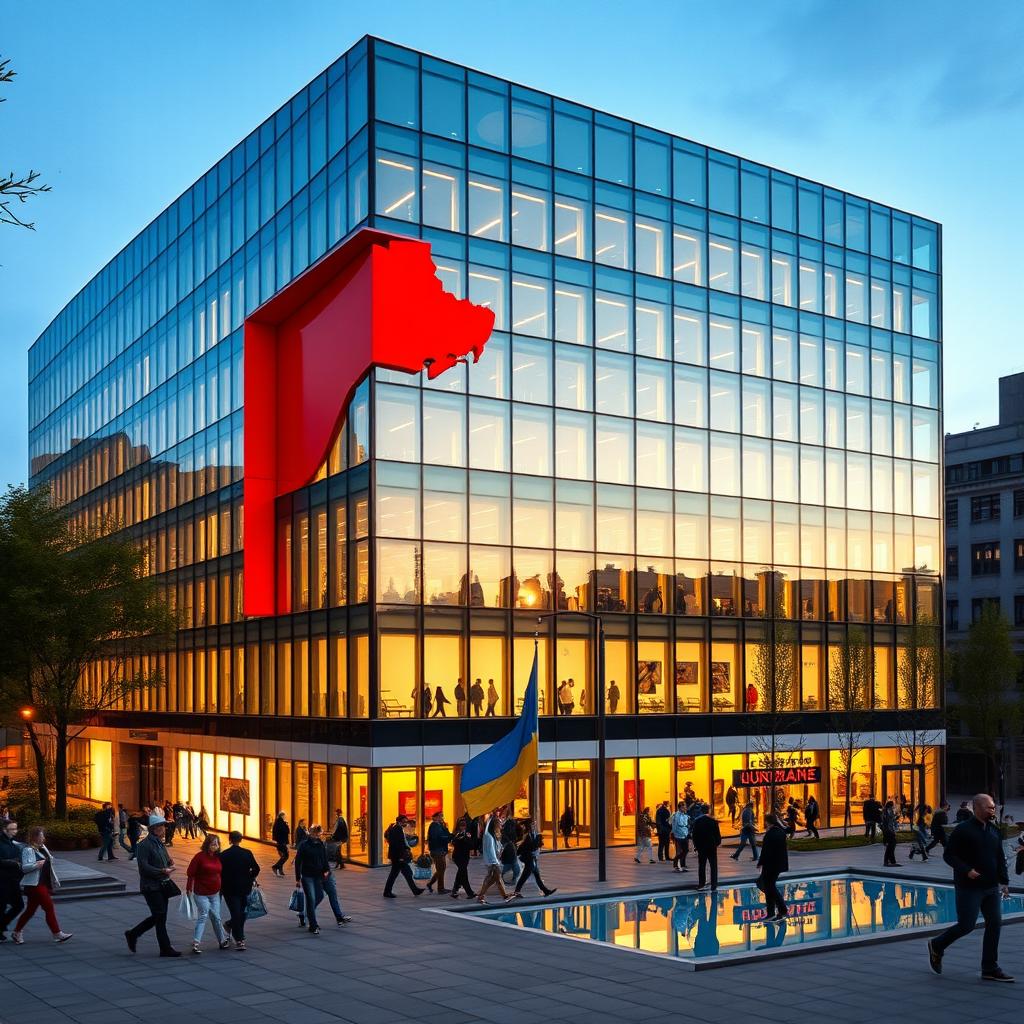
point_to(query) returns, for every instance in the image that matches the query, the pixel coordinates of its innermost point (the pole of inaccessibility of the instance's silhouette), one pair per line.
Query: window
(952, 563)
(985, 559)
(1018, 610)
(953, 509)
(978, 605)
(984, 507)
(953, 613)
(1018, 555)
(1018, 504)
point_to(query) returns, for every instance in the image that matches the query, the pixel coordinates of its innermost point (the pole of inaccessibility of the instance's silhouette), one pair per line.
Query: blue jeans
(747, 835)
(315, 889)
(968, 903)
(106, 845)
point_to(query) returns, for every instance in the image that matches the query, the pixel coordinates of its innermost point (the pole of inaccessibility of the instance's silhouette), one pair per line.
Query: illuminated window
(651, 247)
(571, 217)
(442, 198)
(688, 256)
(652, 329)
(753, 271)
(573, 376)
(574, 447)
(490, 577)
(530, 218)
(614, 449)
(613, 323)
(488, 288)
(397, 424)
(722, 264)
(532, 576)
(444, 574)
(487, 208)
(444, 429)
(611, 238)
(398, 572)
(689, 337)
(572, 314)
(531, 299)
(810, 286)
(396, 187)
(856, 298)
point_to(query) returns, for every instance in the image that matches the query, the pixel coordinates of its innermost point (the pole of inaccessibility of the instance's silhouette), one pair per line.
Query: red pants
(38, 896)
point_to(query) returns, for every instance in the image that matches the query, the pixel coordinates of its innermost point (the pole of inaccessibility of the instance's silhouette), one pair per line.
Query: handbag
(187, 907)
(297, 904)
(169, 888)
(255, 906)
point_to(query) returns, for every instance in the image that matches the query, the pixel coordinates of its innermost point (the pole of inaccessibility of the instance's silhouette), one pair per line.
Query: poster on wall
(632, 797)
(648, 677)
(433, 802)
(407, 803)
(362, 802)
(720, 677)
(686, 763)
(234, 795)
(686, 673)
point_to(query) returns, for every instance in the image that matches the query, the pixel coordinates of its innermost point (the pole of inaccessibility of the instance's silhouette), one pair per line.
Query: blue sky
(919, 105)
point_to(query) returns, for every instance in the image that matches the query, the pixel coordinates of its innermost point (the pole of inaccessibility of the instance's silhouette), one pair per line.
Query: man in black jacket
(11, 901)
(664, 829)
(104, 819)
(940, 819)
(340, 836)
(528, 850)
(707, 838)
(975, 853)
(463, 845)
(238, 872)
(155, 870)
(872, 816)
(280, 833)
(399, 853)
(773, 861)
(313, 876)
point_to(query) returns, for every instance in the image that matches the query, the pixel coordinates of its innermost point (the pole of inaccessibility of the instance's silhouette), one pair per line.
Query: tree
(776, 678)
(16, 189)
(986, 669)
(77, 618)
(849, 695)
(918, 675)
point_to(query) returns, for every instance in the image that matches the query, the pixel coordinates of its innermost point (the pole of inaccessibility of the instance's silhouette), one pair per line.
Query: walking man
(662, 817)
(492, 861)
(872, 816)
(748, 832)
(528, 851)
(811, 815)
(155, 870)
(940, 819)
(399, 853)
(463, 845)
(238, 871)
(122, 829)
(280, 833)
(340, 836)
(707, 838)
(975, 853)
(438, 838)
(313, 876)
(11, 901)
(679, 826)
(774, 860)
(104, 819)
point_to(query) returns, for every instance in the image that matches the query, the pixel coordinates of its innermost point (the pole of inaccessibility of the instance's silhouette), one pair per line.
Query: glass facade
(710, 413)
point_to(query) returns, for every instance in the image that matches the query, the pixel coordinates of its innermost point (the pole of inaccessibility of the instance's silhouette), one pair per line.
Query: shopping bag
(187, 907)
(297, 904)
(254, 906)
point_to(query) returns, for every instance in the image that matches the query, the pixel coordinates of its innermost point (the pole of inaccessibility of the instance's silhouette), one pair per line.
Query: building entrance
(903, 784)
(151, 776)
(562, 793)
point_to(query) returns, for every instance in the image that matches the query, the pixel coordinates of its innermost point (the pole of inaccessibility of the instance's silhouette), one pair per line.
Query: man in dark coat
(238, 872)
(528, 850)
(104, 819)
(313, 876)
(155, 870)
(11, 900)
(662, 816)
(872, 816)
(707, 838)
(940, 819)
(339, 835)
(773, 861)
(399, 853)
(280, 833)
(975, 853)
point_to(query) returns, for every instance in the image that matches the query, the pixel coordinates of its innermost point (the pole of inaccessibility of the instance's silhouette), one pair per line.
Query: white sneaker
(62, 936)
(17, 938)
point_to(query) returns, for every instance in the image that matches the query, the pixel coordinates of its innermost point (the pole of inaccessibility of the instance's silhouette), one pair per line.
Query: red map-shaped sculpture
(375, 301)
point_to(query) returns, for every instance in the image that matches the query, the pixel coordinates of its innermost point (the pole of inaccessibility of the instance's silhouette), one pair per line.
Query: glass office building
(709, 413)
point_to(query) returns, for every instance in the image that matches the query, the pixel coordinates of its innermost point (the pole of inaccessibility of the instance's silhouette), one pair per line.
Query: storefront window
(618, 678)
(652, 669)
(488, 695)
(573, 673)
(400, 693)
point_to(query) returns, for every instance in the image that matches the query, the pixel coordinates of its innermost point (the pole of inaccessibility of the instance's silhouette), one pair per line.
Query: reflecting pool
(707, 927)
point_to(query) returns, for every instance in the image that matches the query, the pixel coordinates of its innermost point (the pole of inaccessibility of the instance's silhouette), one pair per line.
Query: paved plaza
(395, 963)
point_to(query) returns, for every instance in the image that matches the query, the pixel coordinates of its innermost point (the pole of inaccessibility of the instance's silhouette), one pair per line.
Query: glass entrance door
(903, 784)
(564, 791)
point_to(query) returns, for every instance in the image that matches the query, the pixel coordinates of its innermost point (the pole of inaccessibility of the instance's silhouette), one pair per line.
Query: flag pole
(535, 809)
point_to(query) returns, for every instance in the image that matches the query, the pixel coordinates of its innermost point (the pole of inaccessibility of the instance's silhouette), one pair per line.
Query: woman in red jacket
(204, 884)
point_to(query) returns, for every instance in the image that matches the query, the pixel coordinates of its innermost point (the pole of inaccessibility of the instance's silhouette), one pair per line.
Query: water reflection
(701, 925)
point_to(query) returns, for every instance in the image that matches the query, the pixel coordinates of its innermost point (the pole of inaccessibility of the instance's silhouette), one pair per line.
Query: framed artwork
(686, 673)
(717, 791)
(234, 795)
(720, 677)
(407, 803)
(362, 801)
(648, 677)
(632, 796)
(433, 801)
(686, 763)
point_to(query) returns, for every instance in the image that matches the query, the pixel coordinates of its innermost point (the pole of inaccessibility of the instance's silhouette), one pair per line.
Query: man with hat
(155, 870)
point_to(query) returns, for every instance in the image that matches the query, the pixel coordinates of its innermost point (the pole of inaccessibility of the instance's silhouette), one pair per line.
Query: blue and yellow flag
(493, 778)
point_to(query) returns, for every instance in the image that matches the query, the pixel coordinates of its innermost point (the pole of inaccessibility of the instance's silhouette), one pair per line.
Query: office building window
(985, 559)
(1018, 555)
(952, 615)
(1018, 504)
(953, 510)
(984, 507)
(952, 563)
(979, 604)
(1018, 610)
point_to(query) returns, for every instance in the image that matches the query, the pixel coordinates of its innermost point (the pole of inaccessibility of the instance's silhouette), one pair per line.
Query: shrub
(65, 835)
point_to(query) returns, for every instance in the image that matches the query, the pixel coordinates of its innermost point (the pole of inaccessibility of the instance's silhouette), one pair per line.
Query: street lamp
(602, 853)
(27, 713)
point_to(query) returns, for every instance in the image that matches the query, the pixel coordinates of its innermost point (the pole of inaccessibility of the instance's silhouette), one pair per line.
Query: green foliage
(63, 835)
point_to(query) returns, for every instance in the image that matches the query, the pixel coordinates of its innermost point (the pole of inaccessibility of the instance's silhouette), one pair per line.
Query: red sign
(793, 776)
(433, 801)
(373, 301)
(407, 803)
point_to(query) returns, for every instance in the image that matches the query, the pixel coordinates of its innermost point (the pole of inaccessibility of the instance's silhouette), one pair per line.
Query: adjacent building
(985, 552)
(709, 413)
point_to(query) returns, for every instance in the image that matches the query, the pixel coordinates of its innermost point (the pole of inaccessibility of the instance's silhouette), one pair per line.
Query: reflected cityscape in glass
(709, 926)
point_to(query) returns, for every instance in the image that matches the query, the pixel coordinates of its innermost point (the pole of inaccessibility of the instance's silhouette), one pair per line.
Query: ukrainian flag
(493, 777)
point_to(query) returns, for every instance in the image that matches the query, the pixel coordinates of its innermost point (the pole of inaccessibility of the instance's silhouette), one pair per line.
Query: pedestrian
(975, 853)
(476, 698)
(460, 699)
(39, 879)
(462, 849)
(238, 874)
(963, 812)
(644, 826)
(104, 819)
(280, 833)
(339, 835)
(400, 853)
(732, 799)
(792, 816)
(492, 861)
(662, 817)
(156, 886)
(172, 812)
(440, 700)
(438, 840)
(613, 697)
(509, 833)
(920, 844)
(492, 698)
(811, 815)
(872, 816)
(301, 833)
(567, 824)
(188, 820)
(773, 861)
(313, 876)
(11, 901)
(748, 831)
(679, 825)
(940, 819)
(135, 825)
(203, 821)
(122, 829)
(707, 838)
(528, 851)
(204, 879)
(890, 826)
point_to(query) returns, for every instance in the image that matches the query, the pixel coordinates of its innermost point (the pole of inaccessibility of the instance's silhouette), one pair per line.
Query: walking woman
(643, 836)
(39, 880)
(204, 871)
(890, 825)
(440, 701)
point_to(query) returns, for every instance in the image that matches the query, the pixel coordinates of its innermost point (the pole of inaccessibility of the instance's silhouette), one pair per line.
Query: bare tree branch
(16, 189)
